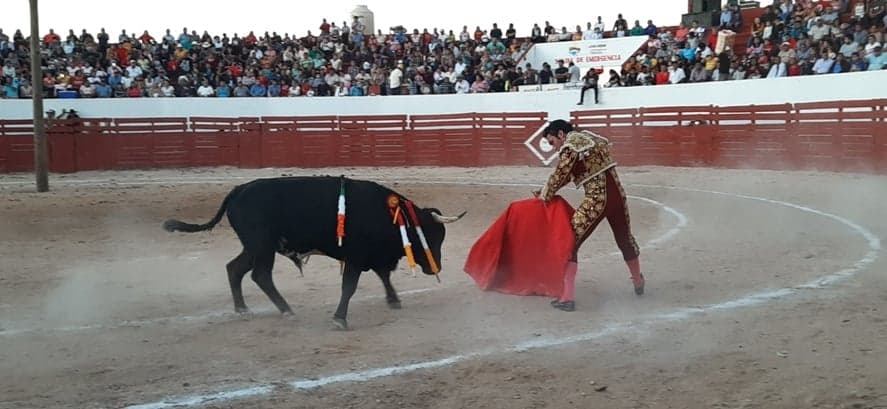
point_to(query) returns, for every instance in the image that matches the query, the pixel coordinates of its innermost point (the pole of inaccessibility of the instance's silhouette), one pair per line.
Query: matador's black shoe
(638, 284)
(564, 305)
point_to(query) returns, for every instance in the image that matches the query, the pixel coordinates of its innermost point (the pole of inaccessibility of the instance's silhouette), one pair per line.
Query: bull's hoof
(394, 305)
(340, 323)
(288, 315)
(244, 313)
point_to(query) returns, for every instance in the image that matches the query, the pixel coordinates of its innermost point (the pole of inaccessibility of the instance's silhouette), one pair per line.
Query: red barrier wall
(831, 136)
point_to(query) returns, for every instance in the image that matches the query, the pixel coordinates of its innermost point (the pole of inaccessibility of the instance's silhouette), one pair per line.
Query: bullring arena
(759, 212)
(764, 289)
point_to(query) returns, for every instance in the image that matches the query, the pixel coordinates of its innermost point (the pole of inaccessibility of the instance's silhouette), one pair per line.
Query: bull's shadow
(299, 216)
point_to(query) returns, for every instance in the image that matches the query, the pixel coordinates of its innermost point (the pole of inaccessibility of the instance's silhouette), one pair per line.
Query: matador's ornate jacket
(583, 157)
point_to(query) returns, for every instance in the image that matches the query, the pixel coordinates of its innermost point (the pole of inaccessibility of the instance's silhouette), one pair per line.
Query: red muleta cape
(525, 251)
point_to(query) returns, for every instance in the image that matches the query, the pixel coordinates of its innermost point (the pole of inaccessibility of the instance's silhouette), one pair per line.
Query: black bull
(297, 216)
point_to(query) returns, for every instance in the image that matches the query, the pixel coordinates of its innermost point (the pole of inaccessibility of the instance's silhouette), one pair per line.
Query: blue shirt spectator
(274, 89)
(103, 90)
(257, 90)
(222, 91)
(877, 59)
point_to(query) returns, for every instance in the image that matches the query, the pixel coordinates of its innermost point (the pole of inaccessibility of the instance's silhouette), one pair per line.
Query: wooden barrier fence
(829, 136)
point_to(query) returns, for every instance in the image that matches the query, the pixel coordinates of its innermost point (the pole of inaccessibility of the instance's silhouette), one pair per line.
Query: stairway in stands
(748, 17)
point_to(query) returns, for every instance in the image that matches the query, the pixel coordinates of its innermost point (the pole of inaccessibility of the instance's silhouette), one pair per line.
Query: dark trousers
(585, 88)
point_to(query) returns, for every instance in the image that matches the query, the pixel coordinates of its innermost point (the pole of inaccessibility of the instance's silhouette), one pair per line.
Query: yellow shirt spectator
(711, 63)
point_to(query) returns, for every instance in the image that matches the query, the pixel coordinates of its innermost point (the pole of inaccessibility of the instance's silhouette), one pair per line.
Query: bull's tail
(173, 225)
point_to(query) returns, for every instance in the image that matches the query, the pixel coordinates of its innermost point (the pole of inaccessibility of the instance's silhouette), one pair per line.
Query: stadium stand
(800, 37)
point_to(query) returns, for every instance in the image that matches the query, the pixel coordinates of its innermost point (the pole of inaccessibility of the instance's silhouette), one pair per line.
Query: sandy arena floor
(764, 290)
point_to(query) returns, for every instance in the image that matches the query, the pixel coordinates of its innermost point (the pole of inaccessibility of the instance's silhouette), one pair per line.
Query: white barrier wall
(558, 104)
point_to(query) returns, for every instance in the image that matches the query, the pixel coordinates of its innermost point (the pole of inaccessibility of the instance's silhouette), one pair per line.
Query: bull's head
(432, 222)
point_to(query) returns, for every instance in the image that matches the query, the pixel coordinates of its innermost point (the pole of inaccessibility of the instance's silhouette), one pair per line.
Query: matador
(584, 157)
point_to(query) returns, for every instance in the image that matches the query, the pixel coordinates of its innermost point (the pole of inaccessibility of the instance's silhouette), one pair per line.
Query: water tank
(365, 16)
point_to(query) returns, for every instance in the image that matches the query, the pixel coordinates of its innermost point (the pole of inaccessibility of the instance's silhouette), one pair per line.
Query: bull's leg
(390, 293)
(264, 263)
(237, 268)
(349, 285)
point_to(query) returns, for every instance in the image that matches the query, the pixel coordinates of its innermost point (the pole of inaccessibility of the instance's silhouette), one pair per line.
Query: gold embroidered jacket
(583, 156)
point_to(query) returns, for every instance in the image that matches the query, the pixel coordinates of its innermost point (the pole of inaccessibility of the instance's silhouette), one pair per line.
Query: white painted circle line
(681, 314)
(202, 317)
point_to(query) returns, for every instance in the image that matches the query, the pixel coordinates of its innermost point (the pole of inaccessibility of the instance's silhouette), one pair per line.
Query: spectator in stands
(205, 90)
(876, 60)
(724, 65)
(545, 74)
(677, 73)
(561, 73)
(574, 73)
(778, 68)
(620, 27)
(102, 89)
(590, 82)
(697, 74)
(615, 80)
(462, 86)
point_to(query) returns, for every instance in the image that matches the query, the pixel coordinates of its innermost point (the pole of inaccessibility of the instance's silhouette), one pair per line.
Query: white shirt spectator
(126, 81)
(168, 90)
(205, 90)
(97, 76)
(823, 65)
(777, 70)
(462, 86)
(819, 30)
(676, 75)
(599, 26)
(134, 70)
(705, 52)
(8, 70)
(395, 78)
(459, 67)
(464, 36)
(87, 90)
(574, 74)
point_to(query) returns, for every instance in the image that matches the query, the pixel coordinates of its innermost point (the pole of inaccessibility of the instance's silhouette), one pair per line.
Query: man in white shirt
(462, 85)
(777, 69)
(394, 79)
(676, 74)
(823, 64)
(205, 90)
(588, 34)
(133, 69)
(575, 74)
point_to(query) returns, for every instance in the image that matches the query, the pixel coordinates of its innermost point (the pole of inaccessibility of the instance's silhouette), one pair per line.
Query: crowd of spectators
(790, 38)
(794, 37)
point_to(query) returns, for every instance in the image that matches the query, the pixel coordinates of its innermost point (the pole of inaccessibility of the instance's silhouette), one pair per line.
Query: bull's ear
(445, 219)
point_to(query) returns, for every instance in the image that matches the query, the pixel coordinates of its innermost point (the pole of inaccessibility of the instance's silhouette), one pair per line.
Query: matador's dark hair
(558, 125)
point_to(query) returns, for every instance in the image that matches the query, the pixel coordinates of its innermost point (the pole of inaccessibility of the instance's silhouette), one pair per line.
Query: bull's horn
(447, 219)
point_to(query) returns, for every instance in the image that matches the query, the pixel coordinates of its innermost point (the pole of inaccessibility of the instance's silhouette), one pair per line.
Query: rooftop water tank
(365, 16)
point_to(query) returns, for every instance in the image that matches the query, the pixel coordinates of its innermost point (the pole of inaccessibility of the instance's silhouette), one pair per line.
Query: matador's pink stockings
(569, 282)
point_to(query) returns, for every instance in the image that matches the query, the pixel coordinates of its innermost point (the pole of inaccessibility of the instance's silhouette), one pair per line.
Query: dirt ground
(100, 308)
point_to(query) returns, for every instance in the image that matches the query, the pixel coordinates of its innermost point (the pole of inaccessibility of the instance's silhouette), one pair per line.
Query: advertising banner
(605, 54)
